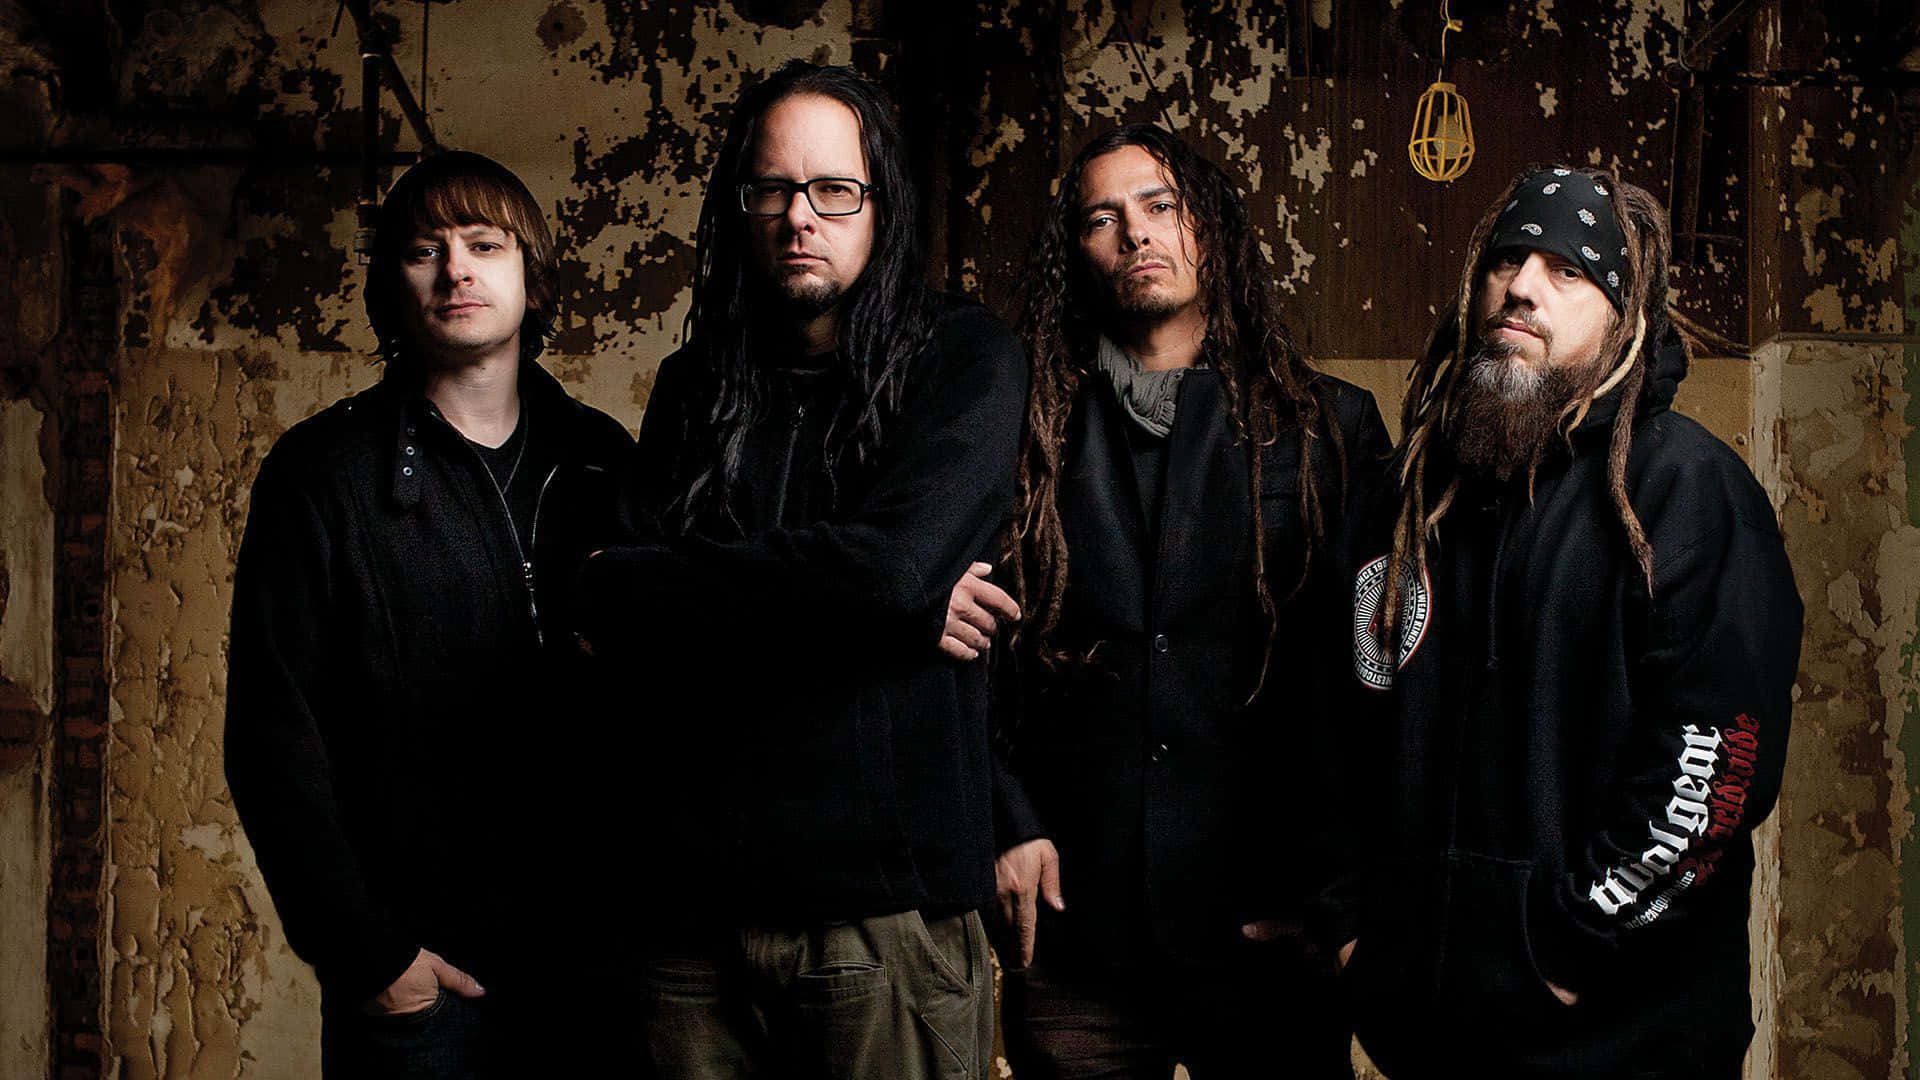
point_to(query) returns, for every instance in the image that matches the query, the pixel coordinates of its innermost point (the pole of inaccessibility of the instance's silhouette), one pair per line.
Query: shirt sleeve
(1332, 911)
(874, 584)
(1712, 696)
(276, 759)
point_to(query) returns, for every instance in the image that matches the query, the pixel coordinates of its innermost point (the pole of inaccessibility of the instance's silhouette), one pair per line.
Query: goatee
(805, 297)
(1509, 409)
(1134, 299)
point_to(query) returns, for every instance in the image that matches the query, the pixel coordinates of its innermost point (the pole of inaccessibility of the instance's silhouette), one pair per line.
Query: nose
(1134, 232)
(800, 216)
(1527, 282)
(458, 265)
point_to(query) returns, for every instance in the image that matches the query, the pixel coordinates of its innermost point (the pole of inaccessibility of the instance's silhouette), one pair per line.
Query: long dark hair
(444, 191)
(1427, 494)
(1268, 385)
(886, 315)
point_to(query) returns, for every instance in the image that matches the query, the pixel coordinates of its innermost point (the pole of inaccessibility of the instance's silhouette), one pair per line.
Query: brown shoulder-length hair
(445, 191)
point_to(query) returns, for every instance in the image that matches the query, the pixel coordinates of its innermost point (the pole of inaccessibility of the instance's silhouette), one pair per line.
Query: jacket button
(1159, 753)
(1160, 643)
(409, 451)
(406, 470)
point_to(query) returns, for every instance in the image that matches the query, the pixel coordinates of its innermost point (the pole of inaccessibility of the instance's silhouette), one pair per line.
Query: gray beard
(1508, 410)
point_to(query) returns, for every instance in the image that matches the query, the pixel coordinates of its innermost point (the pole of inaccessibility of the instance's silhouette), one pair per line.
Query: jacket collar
(409, 412)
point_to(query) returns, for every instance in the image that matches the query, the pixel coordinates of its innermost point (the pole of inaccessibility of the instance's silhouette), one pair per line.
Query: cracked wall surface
(241, 313)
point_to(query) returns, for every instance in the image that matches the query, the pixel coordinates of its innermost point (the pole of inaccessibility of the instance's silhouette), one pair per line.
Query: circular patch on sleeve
(1370, 663)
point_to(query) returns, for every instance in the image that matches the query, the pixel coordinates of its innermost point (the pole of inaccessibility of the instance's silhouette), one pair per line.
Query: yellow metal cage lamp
(1441, 146)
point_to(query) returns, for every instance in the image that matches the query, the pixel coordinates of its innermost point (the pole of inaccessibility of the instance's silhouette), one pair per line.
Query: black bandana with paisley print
(1568, 213)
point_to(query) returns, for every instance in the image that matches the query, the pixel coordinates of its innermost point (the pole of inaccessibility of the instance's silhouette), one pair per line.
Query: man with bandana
(1575, 637)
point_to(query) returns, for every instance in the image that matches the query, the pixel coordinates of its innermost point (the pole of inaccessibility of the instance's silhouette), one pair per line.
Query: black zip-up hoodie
(1566, 768)
(819, 758)
(394, 651)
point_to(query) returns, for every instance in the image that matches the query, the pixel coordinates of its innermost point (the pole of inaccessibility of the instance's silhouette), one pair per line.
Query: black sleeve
(1332, 914)
(276, 760)
(877, 582)
(653, 466)
(1712, 693)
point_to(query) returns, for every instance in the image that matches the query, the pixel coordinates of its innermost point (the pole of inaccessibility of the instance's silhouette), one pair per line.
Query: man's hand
(1566, 996)
(971, 608)
(1022, 874)
(1346, 953)
(419, 985)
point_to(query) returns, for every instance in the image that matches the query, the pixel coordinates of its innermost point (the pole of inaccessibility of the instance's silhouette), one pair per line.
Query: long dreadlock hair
(1434, 384)
(1269, 387)
(886, 315)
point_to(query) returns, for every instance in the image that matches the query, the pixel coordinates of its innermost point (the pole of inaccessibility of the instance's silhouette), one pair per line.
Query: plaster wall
(242, 315)
(26, 668)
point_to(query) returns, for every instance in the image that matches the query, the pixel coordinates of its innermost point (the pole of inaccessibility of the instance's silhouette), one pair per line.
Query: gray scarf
(1147, 396)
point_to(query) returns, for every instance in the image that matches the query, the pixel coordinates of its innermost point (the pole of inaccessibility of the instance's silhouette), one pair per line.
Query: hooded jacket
(393, 645)
(1567, 763)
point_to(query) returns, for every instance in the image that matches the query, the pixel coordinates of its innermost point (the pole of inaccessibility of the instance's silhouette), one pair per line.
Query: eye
(1162, 206)
(836, 189)
(486, 245)
(419, 252)
(1099, 221)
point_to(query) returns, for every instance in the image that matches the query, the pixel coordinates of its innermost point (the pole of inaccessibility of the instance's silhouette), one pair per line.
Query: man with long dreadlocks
(829, 453)
(1580, 631)
(1168, 745)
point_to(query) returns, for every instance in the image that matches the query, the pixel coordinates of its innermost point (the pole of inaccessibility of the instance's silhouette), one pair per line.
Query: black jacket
(1180, 810)
(387, 687)
(819, 758)
(1568, 767)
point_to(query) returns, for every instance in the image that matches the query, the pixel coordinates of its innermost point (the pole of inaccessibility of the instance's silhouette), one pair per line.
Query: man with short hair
(398, 633)
(825, 457)
(1169, 795)
(1580, 631)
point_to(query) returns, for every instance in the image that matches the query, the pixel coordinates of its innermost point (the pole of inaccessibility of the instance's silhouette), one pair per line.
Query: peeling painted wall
(26, 685)
(241, 313)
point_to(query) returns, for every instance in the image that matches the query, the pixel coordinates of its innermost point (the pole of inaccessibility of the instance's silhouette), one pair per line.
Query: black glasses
(830, 196)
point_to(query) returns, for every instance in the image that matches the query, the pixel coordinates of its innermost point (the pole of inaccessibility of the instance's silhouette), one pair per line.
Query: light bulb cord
(1447, 23)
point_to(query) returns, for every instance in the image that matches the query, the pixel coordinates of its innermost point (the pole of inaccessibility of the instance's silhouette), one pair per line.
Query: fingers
(1050, 879)
(979, 570)
(957, 649)
(1263, 930)
(454, 979)
(1346, 952)
(1027, 925)
(995, 599)
(964, 606)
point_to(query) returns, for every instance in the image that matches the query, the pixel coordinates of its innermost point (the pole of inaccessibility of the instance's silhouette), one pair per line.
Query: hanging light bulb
(1441, 146)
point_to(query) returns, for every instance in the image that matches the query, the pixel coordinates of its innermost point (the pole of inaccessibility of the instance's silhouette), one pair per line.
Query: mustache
(1522, 315)
(1124, 271)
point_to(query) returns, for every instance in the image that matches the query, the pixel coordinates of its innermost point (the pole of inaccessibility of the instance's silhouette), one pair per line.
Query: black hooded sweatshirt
(1566, 766)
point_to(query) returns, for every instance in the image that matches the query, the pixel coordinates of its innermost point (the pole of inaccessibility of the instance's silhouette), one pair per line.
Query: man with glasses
(831, 450)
